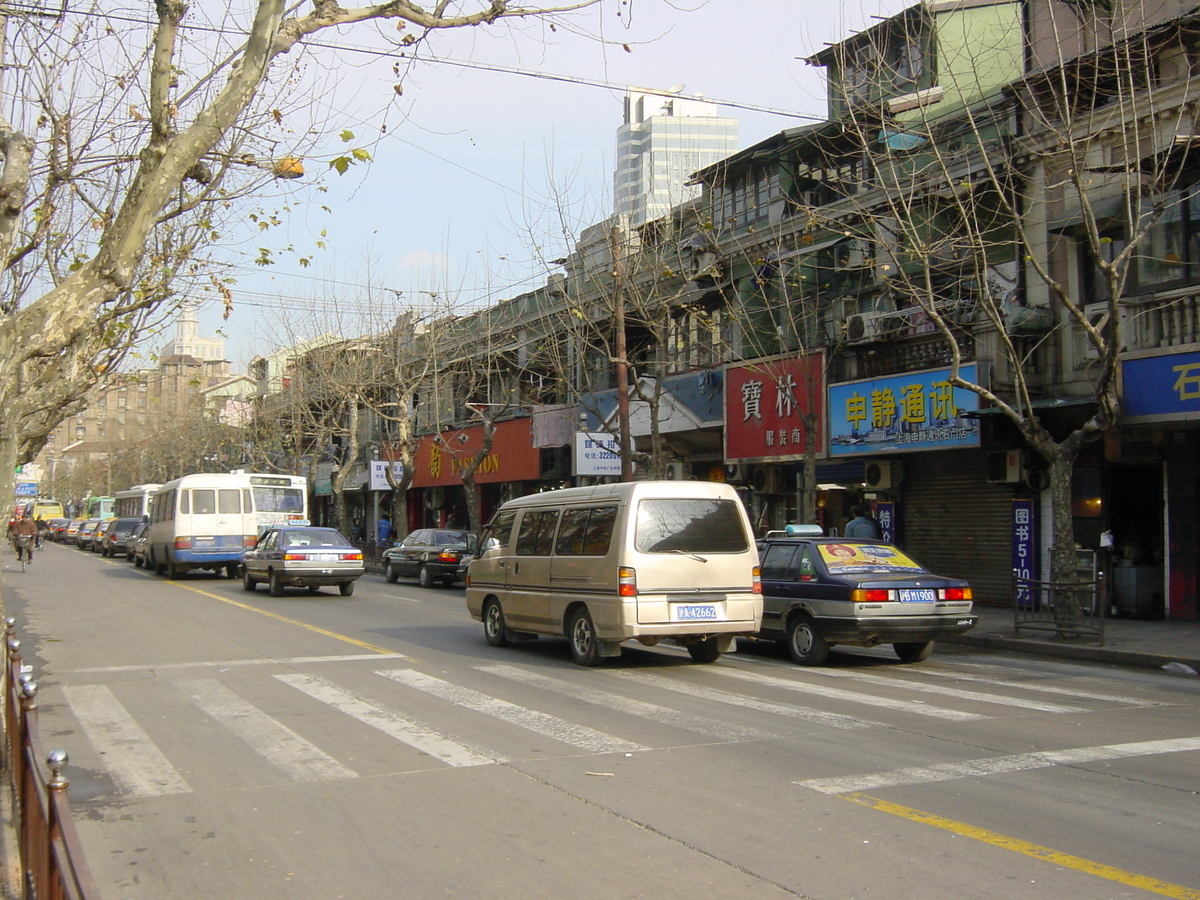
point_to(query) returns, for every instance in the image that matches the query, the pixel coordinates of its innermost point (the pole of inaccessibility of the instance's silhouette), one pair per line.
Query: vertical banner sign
(885, 512)
(1024, 548)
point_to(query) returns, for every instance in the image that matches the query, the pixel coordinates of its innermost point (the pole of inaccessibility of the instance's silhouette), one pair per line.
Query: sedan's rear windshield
(315, 538)
(849, 558)
(686, 525)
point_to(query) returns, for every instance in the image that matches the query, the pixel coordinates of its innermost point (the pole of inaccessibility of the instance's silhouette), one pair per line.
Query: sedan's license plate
(322, 557)
(695, 612)
(914, 596)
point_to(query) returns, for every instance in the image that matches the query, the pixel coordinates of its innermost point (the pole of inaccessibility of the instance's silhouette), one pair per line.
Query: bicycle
(23, 544)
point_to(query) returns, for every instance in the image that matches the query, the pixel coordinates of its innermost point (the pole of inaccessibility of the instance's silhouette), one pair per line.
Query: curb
(1109, 655)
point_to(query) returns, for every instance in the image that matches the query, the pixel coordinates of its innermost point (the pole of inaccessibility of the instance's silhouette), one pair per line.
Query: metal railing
(52, 862)
(1071, 611)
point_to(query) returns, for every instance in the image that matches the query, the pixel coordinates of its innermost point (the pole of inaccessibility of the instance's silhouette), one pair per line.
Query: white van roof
(625, 491)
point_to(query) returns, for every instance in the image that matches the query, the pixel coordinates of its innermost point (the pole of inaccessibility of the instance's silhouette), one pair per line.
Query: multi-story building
(665, 138)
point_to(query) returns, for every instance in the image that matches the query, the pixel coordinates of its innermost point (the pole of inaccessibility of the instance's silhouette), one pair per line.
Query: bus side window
(184, 503)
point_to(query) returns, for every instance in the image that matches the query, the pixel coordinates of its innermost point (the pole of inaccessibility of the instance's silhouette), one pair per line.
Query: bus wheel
(172, 569)
(585, 647)
(494, 629)
(231, 570)
(705, 651)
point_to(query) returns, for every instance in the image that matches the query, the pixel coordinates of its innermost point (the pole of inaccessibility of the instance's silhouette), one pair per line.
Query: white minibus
(646, 560)
(201, 522)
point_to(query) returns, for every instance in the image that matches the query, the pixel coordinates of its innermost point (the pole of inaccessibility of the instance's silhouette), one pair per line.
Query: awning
(1038, 406)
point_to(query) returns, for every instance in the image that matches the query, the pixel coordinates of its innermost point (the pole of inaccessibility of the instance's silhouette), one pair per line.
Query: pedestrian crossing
(304, 725)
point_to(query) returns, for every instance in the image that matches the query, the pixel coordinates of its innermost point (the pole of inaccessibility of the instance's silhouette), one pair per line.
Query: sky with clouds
(501, 147)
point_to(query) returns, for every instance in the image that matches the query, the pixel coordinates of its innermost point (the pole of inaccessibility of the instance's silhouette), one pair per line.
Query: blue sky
(480, 172)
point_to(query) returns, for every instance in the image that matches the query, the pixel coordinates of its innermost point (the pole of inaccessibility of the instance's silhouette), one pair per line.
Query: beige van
(646, 560)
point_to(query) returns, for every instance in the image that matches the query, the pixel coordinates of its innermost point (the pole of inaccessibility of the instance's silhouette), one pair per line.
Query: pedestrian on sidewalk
(863, 525)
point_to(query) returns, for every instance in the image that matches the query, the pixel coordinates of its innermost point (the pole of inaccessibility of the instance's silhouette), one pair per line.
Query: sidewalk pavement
(1127, 642)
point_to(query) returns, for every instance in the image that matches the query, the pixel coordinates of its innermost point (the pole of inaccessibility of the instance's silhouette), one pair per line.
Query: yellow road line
(262, 612)
(1090, 867)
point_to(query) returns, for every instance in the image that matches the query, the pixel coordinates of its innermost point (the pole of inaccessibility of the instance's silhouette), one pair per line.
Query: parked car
(819, 592)
(131, 542)
(114, 534)
(139, 546)
(71, 532)
(87, 533)
(431, 555)
(56, 528)
(302, 556)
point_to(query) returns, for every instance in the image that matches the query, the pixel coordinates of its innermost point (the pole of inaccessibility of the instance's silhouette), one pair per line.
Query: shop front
(774, 417)
(512, 468)
(924, 472)
(1154, 470)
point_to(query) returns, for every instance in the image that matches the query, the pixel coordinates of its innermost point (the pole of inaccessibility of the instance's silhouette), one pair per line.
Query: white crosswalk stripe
(830, 720)
(1009, 683)
(942, 690)
(651, 711)
(997, 765)
(134, 763)
(416, 734)
(296, 757)
(539, 722)
(917, 707)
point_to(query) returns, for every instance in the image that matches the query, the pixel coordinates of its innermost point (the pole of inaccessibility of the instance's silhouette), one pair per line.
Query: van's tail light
(873, 595)
(956, 594)
(626, 581)
(757, 580)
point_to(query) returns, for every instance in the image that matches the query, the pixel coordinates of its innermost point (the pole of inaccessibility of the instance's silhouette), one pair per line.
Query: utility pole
(616, 239)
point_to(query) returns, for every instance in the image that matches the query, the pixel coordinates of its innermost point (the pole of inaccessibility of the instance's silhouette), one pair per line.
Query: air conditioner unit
(870, 326)
(737, 474)
(834, 320)
(1007, 466)
(1095, 314)
(676, 471)
(767, 479)
(883, 474)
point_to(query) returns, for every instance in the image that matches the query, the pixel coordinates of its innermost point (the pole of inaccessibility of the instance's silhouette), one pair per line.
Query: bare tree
(128, 151)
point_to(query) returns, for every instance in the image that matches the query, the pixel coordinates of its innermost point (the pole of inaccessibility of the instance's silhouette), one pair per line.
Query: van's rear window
(690, 526)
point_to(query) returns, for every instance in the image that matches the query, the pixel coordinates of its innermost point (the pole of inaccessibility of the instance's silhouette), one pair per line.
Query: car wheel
(494, 629)
(346, 588)
(804, 641)
(424, 577)
(585, 646)
(275, 585)
(705, 651)
(913, 651)
(248, 583)
(391, 574)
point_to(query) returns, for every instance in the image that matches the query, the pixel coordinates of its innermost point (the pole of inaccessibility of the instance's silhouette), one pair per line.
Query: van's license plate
(693, 612)
(914, 596)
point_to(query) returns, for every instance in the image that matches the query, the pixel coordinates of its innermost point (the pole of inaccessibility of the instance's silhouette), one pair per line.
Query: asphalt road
(229, 744)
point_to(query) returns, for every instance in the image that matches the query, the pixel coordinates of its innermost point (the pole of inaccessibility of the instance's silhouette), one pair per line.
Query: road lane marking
(537, 722)
(289, 621)
(1024, 703)
(277, 744)
(916, 707)
(998, 765)
(408, 731)
(232, 663)
(661, 714)
(1028, 686)
(132, 760)
(829, 720)
(1016, 845)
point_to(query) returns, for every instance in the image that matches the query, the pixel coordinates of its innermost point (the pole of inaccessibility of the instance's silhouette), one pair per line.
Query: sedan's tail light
(956, 594)
(448, 556)
(353, 557)
(872, 595)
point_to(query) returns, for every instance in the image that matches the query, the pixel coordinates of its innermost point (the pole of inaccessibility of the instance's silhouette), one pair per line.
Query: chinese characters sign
(1024, 548)
(769, 407)
(913, 411)
(1161, 388)
(597, 453)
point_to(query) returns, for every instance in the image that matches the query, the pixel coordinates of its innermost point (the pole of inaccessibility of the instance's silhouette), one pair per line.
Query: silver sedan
(302, 556)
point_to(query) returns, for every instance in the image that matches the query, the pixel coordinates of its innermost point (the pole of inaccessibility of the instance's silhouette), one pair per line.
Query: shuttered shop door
(956, 523)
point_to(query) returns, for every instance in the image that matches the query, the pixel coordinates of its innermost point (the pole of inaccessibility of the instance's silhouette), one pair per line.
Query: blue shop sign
(1161, 388)
(913, 411)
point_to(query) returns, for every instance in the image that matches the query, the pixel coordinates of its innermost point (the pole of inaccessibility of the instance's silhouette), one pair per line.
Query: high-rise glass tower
(664, 140)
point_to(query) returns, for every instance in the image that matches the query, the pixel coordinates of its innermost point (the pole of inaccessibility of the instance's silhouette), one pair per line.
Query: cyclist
(23, 532)
(41, 532)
